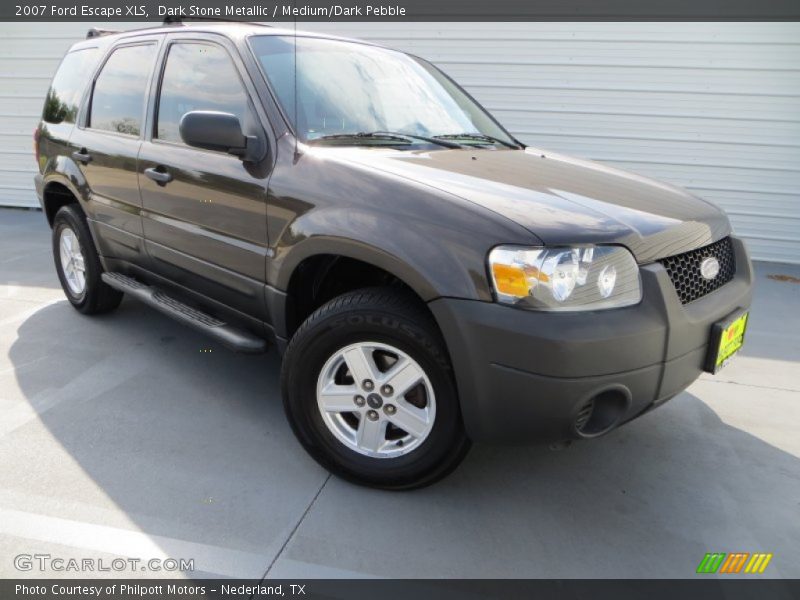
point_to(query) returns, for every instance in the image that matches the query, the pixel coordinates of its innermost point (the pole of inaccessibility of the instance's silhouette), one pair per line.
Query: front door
(204, 212)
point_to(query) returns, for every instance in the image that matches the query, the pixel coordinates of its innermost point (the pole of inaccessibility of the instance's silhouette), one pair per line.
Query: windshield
(347, 88)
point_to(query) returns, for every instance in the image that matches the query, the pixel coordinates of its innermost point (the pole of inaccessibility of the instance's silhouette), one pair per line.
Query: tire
(84, 289)
(393, 330)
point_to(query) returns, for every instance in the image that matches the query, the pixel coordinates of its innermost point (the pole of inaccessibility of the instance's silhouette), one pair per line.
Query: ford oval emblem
(709, 268)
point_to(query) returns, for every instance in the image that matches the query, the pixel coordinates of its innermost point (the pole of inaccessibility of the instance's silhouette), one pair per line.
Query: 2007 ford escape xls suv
(429, 280)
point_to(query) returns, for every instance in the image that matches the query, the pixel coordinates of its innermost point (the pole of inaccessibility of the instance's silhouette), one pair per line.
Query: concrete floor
(120, 437)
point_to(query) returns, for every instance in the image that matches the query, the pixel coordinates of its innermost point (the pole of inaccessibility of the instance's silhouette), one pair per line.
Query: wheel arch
(58, 191)
(323, 271)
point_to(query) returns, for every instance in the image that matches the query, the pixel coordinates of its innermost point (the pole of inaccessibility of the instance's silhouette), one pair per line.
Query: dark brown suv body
(245, 242)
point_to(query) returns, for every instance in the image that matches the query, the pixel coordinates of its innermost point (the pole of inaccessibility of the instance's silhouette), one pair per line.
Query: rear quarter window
(64, 96)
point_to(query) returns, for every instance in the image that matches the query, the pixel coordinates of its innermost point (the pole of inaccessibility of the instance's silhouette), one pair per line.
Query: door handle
(82, 156)
(158, 174)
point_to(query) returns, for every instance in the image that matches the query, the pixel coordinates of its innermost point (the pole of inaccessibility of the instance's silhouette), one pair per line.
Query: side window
(198, 77)
(120, 90)
(64, 96)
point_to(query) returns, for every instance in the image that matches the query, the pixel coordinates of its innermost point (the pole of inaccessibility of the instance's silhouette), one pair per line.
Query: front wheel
(369, 391)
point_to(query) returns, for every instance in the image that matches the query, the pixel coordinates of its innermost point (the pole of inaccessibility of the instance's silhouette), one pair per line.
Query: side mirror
(220, 131)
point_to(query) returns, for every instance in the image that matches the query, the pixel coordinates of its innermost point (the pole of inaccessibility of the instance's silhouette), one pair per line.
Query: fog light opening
(601, 413)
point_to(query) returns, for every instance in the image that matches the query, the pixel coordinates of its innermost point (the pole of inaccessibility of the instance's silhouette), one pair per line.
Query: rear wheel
(369, 391)
(78, 265)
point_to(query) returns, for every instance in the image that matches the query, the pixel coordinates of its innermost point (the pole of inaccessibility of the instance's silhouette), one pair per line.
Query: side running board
(232, 337)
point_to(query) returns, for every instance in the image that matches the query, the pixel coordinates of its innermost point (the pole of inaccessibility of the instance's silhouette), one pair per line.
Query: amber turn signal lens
(510, 280)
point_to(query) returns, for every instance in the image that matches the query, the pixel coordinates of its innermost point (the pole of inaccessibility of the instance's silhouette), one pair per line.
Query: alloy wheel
(376, 400)
(72, 263)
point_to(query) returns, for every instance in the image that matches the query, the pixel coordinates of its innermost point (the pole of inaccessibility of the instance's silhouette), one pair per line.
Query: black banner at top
(401, 10)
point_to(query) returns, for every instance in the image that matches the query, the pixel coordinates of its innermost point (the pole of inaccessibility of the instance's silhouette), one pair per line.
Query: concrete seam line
(296, 527)
(752, 385)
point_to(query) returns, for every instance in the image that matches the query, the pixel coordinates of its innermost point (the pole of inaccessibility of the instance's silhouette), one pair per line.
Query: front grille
(684, 270)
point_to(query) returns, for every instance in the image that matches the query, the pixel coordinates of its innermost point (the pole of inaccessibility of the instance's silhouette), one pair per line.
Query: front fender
(430, 262)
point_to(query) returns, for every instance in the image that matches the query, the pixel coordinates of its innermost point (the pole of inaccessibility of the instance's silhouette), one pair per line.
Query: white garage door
(713, 107)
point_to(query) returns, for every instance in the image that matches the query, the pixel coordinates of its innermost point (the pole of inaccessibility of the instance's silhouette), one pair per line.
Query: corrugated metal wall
(714, 107)
(29, 55)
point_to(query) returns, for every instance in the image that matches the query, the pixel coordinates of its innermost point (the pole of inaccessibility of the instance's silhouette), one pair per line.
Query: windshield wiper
(475, 136)
(431, 140)
(387, 135)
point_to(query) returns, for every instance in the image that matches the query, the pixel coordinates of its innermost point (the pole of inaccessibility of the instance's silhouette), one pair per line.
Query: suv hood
(560, 199)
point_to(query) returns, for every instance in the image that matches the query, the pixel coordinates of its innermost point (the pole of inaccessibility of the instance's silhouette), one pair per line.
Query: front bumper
(525, 375)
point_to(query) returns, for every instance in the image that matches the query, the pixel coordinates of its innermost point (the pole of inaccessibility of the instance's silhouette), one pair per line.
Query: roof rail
(95, 32)
(177, 20)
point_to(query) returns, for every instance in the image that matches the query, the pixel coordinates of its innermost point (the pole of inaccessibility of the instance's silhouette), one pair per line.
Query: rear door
(106, 144)
(205, 212)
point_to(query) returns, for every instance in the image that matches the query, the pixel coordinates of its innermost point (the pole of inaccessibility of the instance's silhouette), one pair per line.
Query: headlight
(565, 279)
